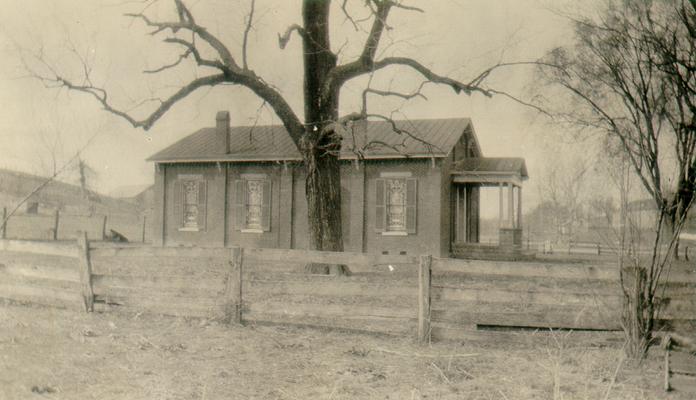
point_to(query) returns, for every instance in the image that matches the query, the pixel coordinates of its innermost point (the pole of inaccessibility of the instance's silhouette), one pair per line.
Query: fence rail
(428, 298)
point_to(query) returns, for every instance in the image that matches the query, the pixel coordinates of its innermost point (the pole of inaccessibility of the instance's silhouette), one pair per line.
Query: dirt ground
(58, 354)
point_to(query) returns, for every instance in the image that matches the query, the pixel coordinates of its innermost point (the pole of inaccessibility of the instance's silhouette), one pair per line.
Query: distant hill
(15, 186)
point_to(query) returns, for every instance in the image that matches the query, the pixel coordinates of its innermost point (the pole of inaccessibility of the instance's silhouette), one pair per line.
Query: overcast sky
(454, 37)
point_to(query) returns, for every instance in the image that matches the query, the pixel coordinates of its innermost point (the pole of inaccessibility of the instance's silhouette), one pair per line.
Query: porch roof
(490, 170)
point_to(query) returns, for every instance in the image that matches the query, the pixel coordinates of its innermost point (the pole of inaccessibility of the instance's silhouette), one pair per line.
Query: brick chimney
(222, 130)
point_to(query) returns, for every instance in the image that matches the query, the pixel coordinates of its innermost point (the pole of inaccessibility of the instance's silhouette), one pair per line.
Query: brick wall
(213, 233)
(289, 228)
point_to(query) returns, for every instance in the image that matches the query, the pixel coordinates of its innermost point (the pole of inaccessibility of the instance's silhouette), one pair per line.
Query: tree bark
(320, 146)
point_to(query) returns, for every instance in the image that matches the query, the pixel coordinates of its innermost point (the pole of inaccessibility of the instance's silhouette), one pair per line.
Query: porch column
(500, 208)
(511, 205)
(519, 207)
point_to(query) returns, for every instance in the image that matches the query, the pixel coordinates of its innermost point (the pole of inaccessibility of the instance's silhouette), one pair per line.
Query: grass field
(57, 354)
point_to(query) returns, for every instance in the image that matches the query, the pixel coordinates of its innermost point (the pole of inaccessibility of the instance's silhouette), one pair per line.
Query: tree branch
(250, 19)
(285, 38)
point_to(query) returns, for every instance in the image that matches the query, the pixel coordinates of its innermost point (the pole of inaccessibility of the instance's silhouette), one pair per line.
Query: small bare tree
(632, 75)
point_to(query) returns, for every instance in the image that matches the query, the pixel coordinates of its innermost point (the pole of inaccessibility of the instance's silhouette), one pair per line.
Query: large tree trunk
(320, 146)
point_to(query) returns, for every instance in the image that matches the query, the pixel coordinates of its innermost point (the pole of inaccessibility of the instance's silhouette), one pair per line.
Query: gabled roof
(420, 138)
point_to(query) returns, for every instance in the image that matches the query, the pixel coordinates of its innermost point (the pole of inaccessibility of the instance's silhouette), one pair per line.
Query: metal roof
(370, 140)
(490, 169)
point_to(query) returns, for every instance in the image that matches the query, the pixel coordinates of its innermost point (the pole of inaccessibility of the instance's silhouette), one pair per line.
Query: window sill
(189, 229)
(394, 233)
(251, 231)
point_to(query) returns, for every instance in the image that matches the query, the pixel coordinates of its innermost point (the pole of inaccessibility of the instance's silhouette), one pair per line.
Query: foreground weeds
(54, 354)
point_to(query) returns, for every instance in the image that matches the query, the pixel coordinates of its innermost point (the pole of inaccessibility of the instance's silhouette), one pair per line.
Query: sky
(458, 38)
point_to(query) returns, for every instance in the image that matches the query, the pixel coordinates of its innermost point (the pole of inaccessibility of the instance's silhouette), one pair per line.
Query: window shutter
(380, 205)
(202, 204)
(266, 209)
(179, 201)
(411, 204)
(239, 205)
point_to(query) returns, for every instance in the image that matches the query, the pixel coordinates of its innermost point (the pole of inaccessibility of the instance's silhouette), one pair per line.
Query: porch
(469, 176)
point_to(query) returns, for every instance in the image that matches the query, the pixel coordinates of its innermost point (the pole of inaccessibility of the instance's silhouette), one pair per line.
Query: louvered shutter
(380, 205)
(411, 204)
(178, 203)
(239, 206)
(266, 209)
(202, 204)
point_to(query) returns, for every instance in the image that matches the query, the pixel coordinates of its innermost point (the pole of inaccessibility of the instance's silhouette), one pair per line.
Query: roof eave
(282, 158)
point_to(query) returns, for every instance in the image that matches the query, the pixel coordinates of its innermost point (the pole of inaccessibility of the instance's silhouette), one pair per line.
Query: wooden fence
(61, 226)
(429, 298)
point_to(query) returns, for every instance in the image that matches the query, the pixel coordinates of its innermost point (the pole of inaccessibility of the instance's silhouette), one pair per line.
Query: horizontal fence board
(397, 303)
(682, 362)
(327, 287)
(553, 317)
(110, 250)
(160, 266)
(357, 260)
(388, 326)
(276, 266)
(139, 296)
(537, 338)
(148, 285)
(40, 295)
(62, 249)
(683, 383)
(527, 269)
(516, 283)
(175, 310)
(678, 308)
(440, 293)
(12, 279)
(393, 279)
(160, 304)
(346, 311)
(41, 271)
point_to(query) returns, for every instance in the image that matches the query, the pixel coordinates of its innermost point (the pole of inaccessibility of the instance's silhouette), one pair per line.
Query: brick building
(408, 193)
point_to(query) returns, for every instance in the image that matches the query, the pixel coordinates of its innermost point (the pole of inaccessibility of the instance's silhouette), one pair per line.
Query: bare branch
(285, 38)
(171, 65)
(102, 97)
(249, 22)
(186, 22)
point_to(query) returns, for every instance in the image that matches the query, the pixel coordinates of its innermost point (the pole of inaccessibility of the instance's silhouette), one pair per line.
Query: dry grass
(55, 354)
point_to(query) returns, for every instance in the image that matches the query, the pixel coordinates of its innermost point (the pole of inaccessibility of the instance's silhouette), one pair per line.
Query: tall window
(395, 205)
(252, 205)
(191, 202)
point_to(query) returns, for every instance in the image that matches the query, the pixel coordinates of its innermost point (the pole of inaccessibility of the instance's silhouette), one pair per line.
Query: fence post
(56, 222)
(3, 231)
(103, 230)
(143, 231)
(85, 271)
(424, 274)
(233, 290)
(599, 249)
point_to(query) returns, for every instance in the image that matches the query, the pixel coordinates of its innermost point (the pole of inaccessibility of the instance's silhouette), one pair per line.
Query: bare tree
(318, 134)
(631, 75)
(563, 192)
